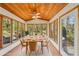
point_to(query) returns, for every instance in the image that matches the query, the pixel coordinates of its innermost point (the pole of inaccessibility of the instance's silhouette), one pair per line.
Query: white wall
(9, 14)
(36, 21)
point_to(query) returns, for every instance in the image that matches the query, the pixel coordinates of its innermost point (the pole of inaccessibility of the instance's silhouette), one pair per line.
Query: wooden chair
(45, 43)
(32, 47)
(24, 44)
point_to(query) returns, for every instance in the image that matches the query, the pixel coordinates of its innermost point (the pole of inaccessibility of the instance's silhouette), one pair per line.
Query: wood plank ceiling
(23, 10)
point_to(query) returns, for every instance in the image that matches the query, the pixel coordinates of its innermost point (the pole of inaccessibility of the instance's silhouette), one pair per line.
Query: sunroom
(39, 29)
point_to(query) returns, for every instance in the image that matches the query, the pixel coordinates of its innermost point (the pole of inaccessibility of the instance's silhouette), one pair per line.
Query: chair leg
(26, 50)
(42, 47)
(47, 48)
(30, 53)
(21, 49)
(36, 53)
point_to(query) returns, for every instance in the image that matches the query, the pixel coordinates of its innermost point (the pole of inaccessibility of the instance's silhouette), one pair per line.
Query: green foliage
(6, 27)
(6, 34)
(26, 32)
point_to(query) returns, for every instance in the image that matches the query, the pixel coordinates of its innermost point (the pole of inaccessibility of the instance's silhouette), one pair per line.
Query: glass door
(6, 27)
(68, 33)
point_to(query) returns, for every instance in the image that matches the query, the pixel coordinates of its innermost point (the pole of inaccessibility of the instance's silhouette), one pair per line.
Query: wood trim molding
(78, 21)
(10, 18)
(11, 31)
(17, 29)
(1, 40)
(69, 11)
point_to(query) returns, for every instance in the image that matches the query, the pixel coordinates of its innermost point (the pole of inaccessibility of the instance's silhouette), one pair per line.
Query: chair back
(21, 42)
(45, 42)
(32, 45)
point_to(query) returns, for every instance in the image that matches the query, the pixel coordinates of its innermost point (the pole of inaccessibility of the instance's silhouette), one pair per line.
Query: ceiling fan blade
(33, 17)
(36, 17)
(37, 13)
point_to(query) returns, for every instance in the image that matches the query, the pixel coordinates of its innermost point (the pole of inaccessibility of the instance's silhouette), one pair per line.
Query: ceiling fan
(35, 15)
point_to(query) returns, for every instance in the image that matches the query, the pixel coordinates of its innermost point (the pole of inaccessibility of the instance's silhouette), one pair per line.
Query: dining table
(36, 38)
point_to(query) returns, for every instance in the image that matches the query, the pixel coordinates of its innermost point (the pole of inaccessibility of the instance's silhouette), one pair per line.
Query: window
(56, 31)
(6, 27)
(15, 28)
(68, 33)
(10, 31)
(50, 30)
(37, 29)
(23, 30)
(30, 29)
(44, 28)
(19, 29)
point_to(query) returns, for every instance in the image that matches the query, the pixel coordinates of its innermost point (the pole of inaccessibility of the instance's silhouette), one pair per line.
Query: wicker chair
(45, 44)
(24, 44)
(32, 47)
